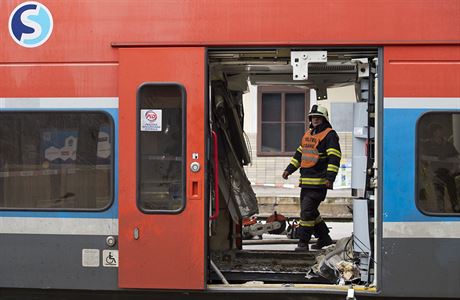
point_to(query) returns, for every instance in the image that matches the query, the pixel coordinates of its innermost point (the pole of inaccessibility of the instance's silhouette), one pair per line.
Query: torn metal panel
(234, 186)
(228, 116)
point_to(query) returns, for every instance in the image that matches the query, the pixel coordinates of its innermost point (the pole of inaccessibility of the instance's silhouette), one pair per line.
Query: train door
(161, 210)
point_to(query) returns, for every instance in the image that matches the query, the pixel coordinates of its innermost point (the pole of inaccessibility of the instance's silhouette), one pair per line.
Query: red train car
(130, 70)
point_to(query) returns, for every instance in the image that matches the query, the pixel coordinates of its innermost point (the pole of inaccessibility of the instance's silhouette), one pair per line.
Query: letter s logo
(30, 24)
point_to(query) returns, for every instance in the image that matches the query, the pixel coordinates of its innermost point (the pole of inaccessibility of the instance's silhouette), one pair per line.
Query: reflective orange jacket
(310, 153)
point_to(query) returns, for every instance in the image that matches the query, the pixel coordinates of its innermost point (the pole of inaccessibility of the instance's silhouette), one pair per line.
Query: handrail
(216, 177)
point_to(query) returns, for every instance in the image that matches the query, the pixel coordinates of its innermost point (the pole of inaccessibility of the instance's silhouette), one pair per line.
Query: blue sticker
(30, 24)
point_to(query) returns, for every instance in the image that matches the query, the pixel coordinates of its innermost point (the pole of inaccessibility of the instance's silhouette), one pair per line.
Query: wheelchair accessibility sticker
(110, 258)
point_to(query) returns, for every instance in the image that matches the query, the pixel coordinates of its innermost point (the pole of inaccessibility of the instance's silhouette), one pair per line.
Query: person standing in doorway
(318, 158)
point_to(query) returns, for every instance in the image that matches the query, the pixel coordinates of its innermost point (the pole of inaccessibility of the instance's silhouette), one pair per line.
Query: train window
(56, 160)
(438, 163)
(161, 148)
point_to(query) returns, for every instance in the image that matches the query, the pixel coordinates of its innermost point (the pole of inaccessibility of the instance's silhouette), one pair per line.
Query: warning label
(151, 119)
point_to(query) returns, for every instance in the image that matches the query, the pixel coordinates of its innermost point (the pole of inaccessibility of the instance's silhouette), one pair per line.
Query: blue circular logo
(31, 24)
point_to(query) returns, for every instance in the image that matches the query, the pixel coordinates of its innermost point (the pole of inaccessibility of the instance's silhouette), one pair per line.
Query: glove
(329, 184)
(285, 174)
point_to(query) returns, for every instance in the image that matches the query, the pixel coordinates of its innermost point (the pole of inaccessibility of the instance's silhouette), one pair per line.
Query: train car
(122, 144)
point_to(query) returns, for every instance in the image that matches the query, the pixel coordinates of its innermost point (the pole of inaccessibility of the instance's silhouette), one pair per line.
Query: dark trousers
(310, 199)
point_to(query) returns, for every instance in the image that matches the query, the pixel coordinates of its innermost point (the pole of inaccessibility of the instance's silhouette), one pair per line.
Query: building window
(161, 148)
(56, 160)
(438, 163)
(282, 119)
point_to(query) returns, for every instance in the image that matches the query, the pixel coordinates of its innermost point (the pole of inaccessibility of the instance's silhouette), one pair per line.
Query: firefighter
(318, 157)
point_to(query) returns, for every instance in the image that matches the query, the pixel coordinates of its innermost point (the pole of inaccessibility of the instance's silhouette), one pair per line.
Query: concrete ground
(267, 191)
(338, 230)
(286, 202)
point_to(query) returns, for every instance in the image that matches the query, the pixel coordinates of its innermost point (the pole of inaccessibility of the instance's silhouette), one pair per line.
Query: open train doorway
(258, 105)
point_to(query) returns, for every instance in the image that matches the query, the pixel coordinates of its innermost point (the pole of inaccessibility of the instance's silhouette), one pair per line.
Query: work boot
(302, 247)
(322, 242)
(304, 234)
(322, 233)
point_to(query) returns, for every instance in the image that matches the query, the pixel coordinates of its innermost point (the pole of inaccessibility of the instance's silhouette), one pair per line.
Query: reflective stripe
(299, 149)
(332, 151)
(310, 151)
(318, 220)
(307, 223)
(309, 158)
(295, 162)
(333, 168)
(312, 180)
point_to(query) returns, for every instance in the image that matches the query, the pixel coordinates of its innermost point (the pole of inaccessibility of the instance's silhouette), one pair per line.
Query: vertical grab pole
(216, 177)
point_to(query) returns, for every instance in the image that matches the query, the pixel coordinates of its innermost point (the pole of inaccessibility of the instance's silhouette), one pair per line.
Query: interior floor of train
(274, 266)
(266, 261)
(272, 258)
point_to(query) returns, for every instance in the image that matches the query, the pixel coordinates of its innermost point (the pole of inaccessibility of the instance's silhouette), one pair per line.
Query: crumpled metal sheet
(234, 186)
(336, 265)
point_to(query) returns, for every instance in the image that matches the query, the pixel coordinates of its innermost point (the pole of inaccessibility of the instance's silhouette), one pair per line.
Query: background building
(275, 120)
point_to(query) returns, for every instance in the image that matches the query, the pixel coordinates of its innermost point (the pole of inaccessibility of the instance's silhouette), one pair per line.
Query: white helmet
(317, 110)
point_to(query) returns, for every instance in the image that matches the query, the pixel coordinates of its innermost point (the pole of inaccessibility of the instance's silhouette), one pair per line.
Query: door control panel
(195, 166)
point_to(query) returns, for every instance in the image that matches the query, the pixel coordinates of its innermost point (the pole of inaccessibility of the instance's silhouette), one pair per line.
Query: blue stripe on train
(110, 213)
(399, 126)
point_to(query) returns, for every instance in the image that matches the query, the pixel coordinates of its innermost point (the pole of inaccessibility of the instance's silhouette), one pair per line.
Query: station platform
(336, 206)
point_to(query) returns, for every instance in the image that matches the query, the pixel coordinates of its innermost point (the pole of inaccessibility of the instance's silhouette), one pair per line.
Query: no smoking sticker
(151, 119)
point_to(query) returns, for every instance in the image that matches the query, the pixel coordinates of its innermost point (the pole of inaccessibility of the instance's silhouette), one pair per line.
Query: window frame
(184, 149)
(112, 161)
(283, 90)
(417, 165)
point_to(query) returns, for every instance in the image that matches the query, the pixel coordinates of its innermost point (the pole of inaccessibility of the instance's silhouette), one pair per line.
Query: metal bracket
(362, 65)
(300, 60)
(321, 93)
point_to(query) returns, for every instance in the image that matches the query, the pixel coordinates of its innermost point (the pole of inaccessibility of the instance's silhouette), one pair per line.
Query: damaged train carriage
(122, 149)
